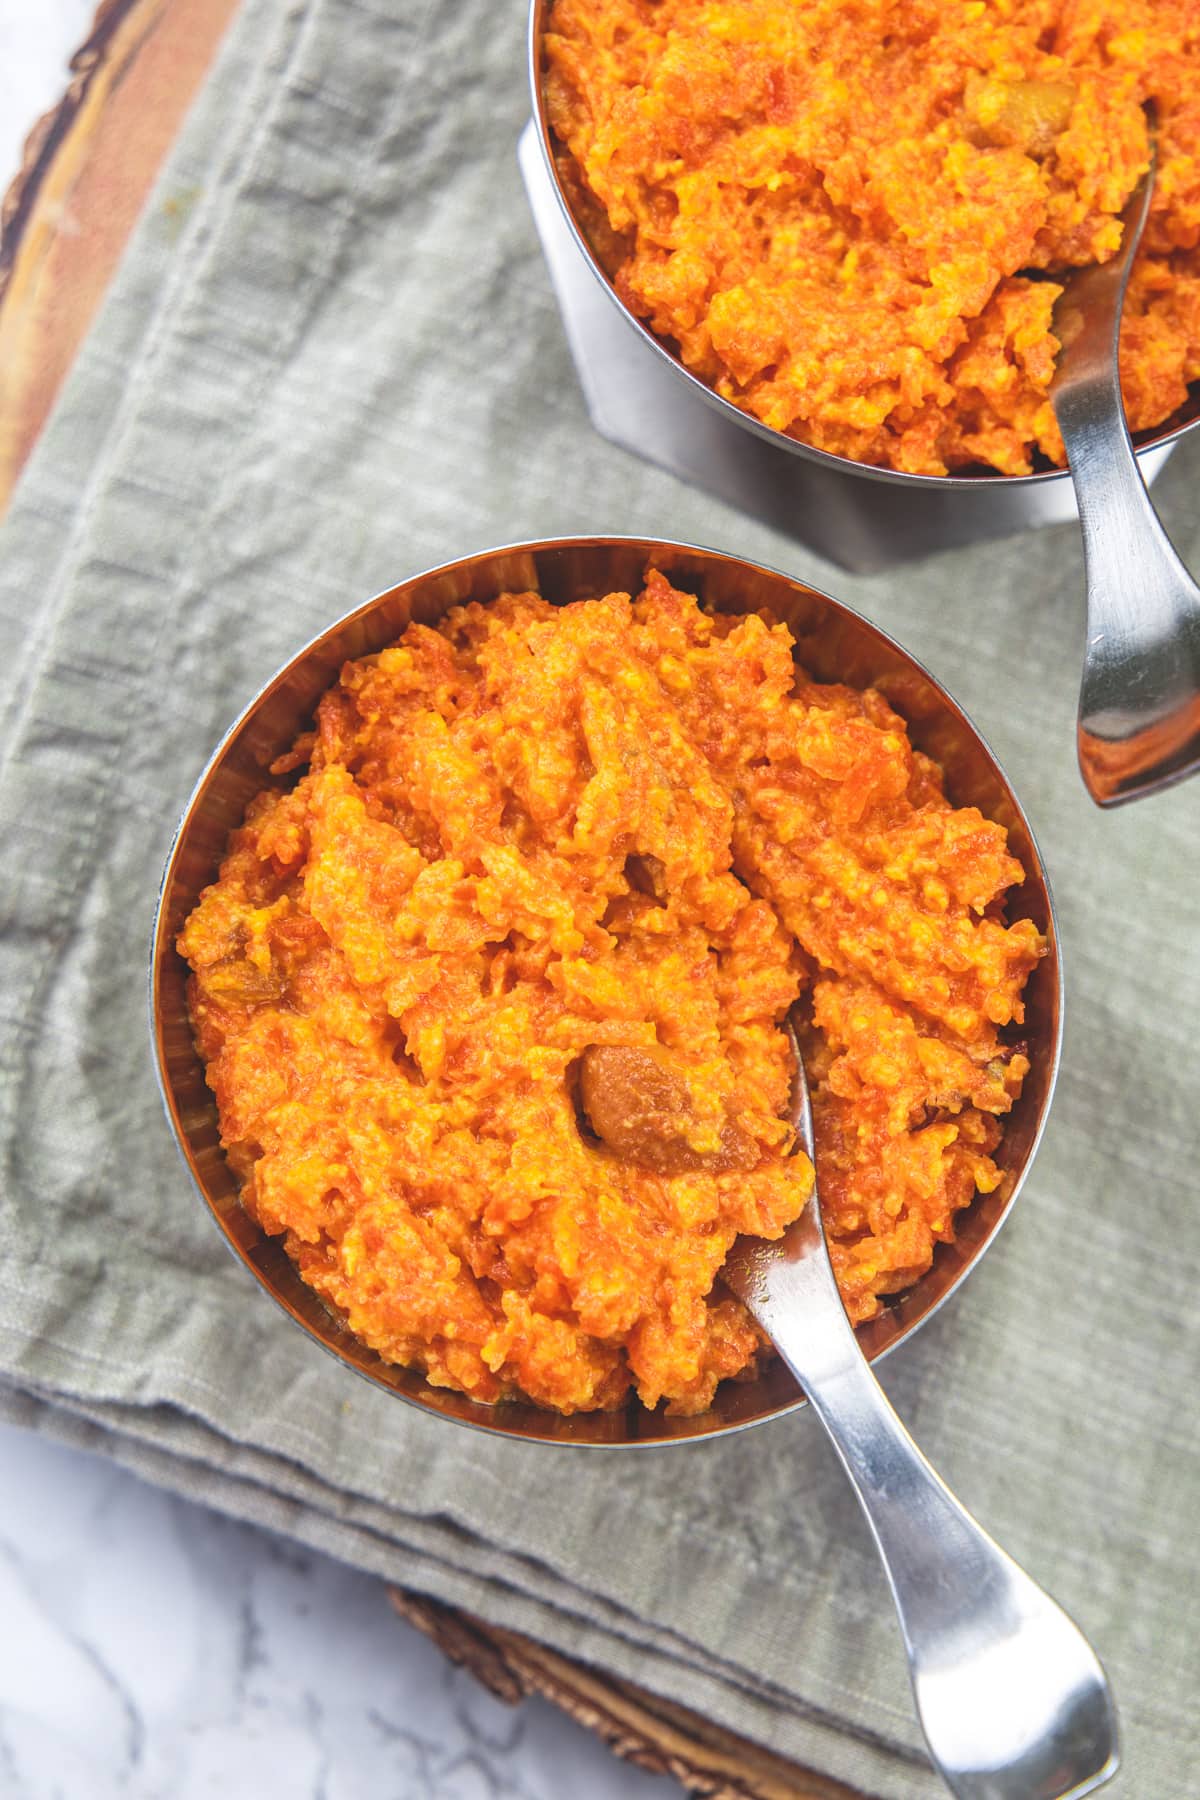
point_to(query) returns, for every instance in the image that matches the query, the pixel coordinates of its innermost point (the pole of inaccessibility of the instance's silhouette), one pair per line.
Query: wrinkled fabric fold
(332, 357)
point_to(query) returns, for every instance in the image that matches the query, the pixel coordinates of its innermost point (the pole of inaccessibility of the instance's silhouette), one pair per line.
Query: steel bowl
(1034, 486)
(834, 643)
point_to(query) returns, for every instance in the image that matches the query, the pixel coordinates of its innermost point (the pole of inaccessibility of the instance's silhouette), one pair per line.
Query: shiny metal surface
(930, 499)
(1139, 702)
(1011, 1697)
(834, 643)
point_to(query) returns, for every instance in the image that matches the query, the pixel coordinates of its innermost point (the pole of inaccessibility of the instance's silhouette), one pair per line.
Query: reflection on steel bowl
(847, 231)
(489, 986)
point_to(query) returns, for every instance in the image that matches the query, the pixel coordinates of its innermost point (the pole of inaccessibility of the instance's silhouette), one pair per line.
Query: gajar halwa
(491, 996)
(846, 215)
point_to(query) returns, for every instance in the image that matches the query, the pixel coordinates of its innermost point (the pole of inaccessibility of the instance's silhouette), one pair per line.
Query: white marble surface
(154, 1651)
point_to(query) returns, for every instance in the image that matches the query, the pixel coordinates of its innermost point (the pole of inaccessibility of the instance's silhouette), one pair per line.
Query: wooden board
(87, 170)
(655, 1734)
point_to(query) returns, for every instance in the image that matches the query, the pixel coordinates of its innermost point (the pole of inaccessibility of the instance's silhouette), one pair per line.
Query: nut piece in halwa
(846, 215)
(490, 988)
(644, 1110)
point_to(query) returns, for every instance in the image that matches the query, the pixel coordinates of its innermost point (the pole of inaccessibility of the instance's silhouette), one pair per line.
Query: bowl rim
(1145, 442)
(160, 949)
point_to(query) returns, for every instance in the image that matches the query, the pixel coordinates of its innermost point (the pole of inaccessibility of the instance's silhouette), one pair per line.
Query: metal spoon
(1139, 705)
(1012, 1699)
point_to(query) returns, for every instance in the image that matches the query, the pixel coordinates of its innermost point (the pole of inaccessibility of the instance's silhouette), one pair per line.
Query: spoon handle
(1012, 1699)
(1139, 703)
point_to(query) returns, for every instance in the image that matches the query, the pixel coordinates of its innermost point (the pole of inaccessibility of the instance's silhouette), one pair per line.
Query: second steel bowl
(966, 483)
(833, 643)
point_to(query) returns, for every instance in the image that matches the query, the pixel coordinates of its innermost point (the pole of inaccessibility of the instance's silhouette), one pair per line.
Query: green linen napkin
(331, 358)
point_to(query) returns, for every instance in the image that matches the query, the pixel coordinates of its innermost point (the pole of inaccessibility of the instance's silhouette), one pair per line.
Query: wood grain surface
(87, 170)
(655, 1734)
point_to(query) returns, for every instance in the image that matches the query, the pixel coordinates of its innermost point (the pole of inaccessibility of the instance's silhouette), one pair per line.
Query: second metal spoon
(1012, 1699)
(1139, 704)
